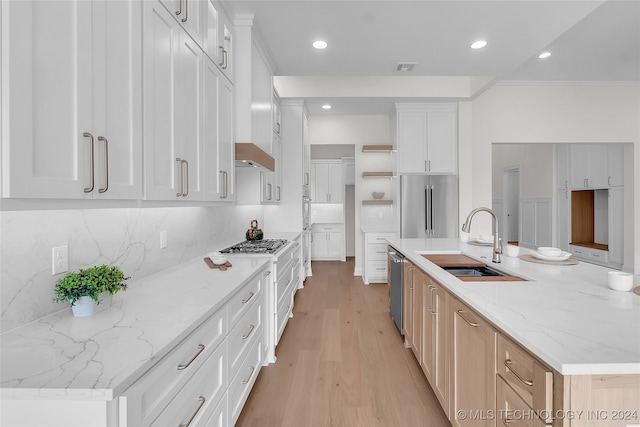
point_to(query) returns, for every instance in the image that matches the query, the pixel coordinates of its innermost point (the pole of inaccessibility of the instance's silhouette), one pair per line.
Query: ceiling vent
(405, 66)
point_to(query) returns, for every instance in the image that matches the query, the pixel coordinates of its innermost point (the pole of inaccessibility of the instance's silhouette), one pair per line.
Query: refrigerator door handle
(431, 209)
(426, 209)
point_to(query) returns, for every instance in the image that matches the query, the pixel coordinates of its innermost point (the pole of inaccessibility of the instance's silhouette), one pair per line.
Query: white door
(511, 197)
(412, 142)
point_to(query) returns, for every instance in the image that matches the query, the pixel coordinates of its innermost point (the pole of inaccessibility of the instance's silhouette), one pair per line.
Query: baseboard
(357, 271)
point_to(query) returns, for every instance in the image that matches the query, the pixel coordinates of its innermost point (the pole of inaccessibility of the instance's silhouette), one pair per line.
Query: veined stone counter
(565, 315)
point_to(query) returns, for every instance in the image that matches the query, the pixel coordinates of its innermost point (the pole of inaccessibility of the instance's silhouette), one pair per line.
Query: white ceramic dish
(218, 260)
(549, 252)
(512, 251)
(620, 281)
(377, 195)
(483, 241)
(563, 256)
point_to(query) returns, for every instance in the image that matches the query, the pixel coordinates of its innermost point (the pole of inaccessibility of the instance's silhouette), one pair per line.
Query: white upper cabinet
(173, 108)
(615, 159)
(562, 167)
(218, 38)
(191, 14)
(588, 166)
(72, 99)
(426, 138)
(326, 181)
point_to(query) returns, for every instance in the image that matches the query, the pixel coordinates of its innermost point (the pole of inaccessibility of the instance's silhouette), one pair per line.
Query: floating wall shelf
(377, 202)
(377, 148)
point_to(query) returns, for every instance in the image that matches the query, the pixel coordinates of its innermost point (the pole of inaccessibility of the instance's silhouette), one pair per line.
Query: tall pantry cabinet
(71, 100)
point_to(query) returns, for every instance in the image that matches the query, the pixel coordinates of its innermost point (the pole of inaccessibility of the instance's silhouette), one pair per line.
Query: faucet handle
(499, 248)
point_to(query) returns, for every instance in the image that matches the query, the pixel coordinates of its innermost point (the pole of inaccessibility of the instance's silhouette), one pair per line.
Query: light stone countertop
(100, 356)
(565, 315)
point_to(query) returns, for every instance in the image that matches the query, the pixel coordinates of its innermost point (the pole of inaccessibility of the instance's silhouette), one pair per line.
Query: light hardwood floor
(342, 362)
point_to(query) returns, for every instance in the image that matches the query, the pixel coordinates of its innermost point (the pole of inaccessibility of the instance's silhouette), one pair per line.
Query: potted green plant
(86, 289)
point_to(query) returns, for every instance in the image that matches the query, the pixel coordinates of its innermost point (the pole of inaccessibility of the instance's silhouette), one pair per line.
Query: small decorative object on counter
(377, 194)
(254, 233)
(86, 289)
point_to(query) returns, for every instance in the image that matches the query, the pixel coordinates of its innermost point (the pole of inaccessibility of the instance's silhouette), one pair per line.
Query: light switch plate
(59, 260)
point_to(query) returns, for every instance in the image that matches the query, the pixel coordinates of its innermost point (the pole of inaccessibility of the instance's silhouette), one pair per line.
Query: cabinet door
(335, 245)
(415, 339)
(428, 328)
(440, 374)
(226, 152)
(225, 45)
(335, 182)
(615, 159)
(616, 225)
(306, 152)
(189, 13)
(579, 165)
(318, 245)
(46, 57)
(213, 179)
(321, 183)
(117, 106)
(598, 173)
(161, 56)
(189, 114)
(407, 309)
(563, 220)
(473, 374)
(412, 142)
(562, 166)
(441, 142)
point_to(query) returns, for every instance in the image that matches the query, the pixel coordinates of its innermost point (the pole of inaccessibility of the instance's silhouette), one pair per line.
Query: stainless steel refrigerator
(428, 206)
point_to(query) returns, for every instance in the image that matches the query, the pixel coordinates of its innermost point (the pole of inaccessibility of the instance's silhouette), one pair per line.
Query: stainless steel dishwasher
(396, 279)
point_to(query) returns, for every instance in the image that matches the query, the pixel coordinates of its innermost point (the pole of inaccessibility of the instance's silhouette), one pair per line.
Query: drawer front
(380, 237)
(376, 251)
(598, 255)
(201, 395)
(151, 394)
(242, 336)
(240, 385)
(283, 284)
(377, 269)
(218, 417)
(287, 257)
(525, 375)
(240, 302)
(512, 410)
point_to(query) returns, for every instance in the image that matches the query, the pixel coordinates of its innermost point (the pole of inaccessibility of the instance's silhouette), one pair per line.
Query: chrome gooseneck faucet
(497, 242)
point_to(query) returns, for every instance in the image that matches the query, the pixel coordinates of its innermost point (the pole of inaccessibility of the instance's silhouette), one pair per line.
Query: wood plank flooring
(342, 362)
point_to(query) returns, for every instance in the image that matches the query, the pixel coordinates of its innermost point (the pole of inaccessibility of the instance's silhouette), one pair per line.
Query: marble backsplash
(127, 237)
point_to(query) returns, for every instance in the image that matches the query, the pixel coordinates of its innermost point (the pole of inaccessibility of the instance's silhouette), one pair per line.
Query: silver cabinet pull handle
(106, 164)
(185, 366)
(609, 181)
(226, 184)
(186, 181)
(179, 11)
(222, 50)
(186, 10)
(425, 166)
(278, 193)
(269, 186)
(251, 294)
(250, 375)
(202, 400)
(429, 162)
(90, 189)
(473, 324)
(178, 159)
(224, 56)
(509, 364)
(251, 328)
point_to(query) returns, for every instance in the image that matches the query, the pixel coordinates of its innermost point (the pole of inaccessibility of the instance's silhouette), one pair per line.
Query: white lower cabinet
(327, 242)
(375, 257)
(204, 380)
(596, 256)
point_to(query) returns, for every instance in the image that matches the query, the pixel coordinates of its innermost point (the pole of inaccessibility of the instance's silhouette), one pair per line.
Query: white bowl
(215, 255)
(377, 194)
(486, 238)
(218, 261)
(620, 281)
(549, 252)
(511, 250)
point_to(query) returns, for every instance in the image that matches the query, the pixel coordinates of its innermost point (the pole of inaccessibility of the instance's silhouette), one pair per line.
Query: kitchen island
(560, 341)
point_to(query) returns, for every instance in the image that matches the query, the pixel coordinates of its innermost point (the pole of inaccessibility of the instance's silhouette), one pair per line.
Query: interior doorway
(511, 204)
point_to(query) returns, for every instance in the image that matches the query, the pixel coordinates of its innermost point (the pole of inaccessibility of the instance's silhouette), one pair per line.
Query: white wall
(359, 131)
(555, 114)
(536, 162)
(126, 237)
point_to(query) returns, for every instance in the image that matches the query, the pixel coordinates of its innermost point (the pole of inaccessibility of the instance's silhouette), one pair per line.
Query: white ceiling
(589, 40)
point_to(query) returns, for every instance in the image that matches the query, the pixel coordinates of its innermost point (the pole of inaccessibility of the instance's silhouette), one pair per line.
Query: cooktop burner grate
(267, 246)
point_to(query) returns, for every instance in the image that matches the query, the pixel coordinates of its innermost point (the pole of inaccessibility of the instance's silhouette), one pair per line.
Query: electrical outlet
(163, 239)
(59, 260)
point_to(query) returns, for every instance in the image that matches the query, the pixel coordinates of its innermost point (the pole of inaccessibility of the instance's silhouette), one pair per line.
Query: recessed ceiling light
(544, 55)
(479, 44)
(326, 107)
(320, 44)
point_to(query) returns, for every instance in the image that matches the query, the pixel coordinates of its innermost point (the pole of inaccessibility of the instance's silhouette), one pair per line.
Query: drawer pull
(474, 324)
(508, 363)
(251, 294)
(251, 328)
(200, 350)
(202, 400)
(250, 375)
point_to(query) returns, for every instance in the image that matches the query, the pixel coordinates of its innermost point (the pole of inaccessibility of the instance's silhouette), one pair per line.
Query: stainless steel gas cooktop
(266, 246)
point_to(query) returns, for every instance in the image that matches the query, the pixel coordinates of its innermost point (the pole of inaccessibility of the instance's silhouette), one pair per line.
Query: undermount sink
(461, 271)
